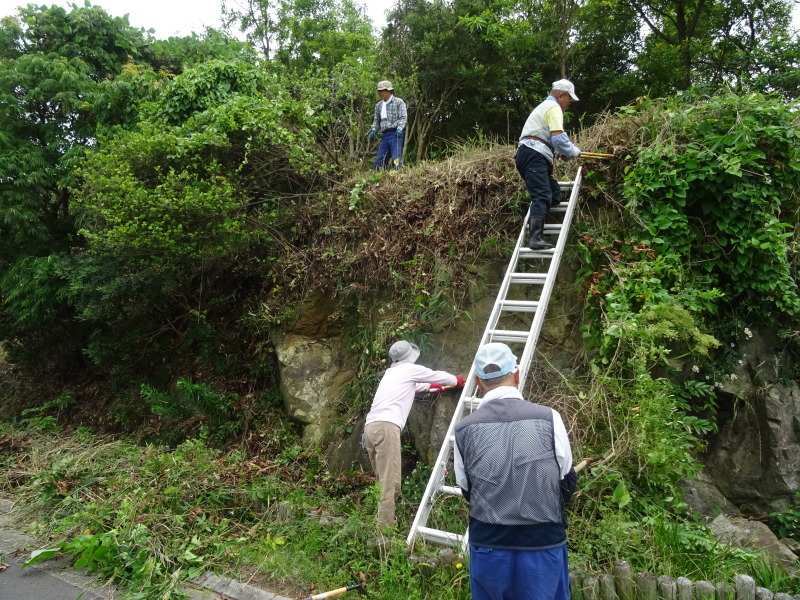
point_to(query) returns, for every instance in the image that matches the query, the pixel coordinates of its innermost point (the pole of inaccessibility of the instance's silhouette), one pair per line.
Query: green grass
(150, 517)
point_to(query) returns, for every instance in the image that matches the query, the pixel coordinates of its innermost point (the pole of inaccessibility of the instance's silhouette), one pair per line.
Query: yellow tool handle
(330, 594)
(596, 155)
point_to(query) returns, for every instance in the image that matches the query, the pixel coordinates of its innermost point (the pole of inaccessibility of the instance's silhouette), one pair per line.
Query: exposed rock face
(312, 379)
(741, 533)
(752, 463)
(314, 370)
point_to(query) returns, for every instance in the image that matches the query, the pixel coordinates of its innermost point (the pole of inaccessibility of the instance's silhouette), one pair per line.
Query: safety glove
(435, 389)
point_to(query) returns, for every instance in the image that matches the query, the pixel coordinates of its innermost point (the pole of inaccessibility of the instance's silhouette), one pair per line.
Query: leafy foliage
(718, 184)
(786, 524)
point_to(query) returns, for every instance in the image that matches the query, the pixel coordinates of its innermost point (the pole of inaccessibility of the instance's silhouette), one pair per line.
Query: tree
(67, 78)
(305, 33)
(606, 42)
(703, 41)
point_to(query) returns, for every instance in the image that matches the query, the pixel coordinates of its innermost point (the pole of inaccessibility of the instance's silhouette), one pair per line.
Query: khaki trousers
(383, 447)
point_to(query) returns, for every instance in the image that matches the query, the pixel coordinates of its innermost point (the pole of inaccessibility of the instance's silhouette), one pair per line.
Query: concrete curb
(231, 589)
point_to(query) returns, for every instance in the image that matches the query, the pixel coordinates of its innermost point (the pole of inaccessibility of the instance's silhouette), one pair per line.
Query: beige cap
(385, 85)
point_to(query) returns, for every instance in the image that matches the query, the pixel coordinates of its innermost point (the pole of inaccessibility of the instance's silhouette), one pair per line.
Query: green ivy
(717, 184)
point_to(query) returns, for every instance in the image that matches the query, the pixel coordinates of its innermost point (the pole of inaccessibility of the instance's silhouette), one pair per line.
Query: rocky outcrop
(742, 533)
(752, 463)
(314, 368)
(313, 376)
(314, 372)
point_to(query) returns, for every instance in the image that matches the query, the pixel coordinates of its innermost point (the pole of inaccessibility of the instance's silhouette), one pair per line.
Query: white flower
(734, 376)
(695, 369)
(747, 332)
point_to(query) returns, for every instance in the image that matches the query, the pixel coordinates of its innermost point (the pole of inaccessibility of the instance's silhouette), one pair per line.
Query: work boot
(536, 229)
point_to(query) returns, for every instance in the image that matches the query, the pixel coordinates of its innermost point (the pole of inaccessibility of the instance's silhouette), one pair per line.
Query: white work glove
(576, 152)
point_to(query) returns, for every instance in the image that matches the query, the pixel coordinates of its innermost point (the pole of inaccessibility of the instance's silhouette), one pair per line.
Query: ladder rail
(439, 471)
(468, 399)
(547, 289)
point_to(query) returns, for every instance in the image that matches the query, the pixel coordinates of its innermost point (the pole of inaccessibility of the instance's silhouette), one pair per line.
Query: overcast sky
(171, 17)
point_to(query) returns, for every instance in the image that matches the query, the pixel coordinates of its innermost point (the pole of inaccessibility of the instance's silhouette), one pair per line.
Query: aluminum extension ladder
(504, 307)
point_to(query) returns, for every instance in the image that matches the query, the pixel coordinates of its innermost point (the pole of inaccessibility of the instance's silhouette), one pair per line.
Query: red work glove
(435, 389)
(459, 381)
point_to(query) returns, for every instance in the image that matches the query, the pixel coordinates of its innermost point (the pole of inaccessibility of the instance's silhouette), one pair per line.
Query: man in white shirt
(513, 463)
(388, 415)
(542, 137)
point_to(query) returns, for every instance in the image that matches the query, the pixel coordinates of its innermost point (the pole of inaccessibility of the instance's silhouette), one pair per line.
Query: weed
(786, 524)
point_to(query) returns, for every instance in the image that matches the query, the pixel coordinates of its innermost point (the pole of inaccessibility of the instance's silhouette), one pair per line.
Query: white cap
(565, 85)
(496, 355)
(403, 351)
(385, 85)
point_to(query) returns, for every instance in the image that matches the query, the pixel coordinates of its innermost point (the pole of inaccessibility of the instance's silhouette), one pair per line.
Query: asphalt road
(49, 580)
(56, 580)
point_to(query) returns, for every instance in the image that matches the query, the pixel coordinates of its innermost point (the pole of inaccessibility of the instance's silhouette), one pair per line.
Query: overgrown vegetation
(166, 206)
(151, 517)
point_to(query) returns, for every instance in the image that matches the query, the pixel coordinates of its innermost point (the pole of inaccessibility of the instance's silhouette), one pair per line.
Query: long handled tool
(595, 155)
(361, 586)
(585, 462)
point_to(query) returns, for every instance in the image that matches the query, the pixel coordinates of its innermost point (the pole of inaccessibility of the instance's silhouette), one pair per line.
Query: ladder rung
(528, 253)
(519, 305)
(552, 228)
(440, 537)
(450, 490)
(470, 404)
(532, 278)
(499, 335)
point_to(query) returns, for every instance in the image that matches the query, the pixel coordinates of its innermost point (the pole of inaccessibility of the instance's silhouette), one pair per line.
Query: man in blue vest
(513, 463)
(390, 121)
(543, 137)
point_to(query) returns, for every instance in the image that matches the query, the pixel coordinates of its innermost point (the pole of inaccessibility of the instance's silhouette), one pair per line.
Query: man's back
(508, 452)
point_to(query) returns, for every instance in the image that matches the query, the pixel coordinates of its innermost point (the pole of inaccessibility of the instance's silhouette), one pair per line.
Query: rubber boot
(536, 229)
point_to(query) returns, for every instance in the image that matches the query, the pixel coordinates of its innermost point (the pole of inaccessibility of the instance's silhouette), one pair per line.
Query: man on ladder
(542, 137)
(513, 462)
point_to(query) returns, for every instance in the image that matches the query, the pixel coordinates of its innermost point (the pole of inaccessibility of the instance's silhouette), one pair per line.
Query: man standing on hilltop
(390, 120)
(543, 137)
(388, 415)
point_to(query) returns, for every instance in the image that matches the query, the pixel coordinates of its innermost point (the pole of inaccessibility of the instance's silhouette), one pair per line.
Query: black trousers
(537, 172)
